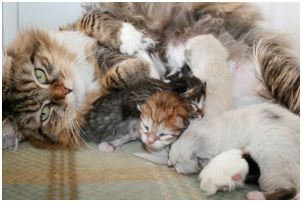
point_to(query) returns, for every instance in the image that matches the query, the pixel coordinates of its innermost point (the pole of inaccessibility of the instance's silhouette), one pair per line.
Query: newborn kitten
(164, 116)
(268, 132)
(225, 171)
(114, 119)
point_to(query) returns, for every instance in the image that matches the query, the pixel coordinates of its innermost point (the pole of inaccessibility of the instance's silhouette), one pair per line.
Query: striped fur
(166, 22)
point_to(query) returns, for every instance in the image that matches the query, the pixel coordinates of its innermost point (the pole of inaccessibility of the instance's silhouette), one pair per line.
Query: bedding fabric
(31, 173)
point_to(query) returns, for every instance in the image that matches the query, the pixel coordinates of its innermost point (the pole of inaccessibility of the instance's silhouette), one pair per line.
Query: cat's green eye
(45, 113)
(41, 76)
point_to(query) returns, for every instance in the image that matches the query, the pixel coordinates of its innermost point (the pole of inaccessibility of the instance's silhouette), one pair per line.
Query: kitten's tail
(279, 70)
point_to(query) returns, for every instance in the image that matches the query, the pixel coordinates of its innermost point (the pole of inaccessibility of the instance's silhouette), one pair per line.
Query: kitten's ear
(181, 122)
(139, 107)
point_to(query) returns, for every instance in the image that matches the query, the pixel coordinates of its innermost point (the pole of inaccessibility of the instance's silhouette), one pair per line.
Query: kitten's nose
(151, 139)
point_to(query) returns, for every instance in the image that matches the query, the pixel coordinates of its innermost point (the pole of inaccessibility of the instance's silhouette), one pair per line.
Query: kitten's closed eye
(146, 127)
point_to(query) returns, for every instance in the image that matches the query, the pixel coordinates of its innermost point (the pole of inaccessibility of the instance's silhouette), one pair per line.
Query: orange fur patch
(167, 108)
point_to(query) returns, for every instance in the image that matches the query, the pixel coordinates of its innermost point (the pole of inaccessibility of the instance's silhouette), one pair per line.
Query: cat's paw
(255, 195)
(104, 147)
(133, 41)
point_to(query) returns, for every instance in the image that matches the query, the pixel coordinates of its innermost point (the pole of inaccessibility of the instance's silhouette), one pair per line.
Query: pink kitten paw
(255, 195)
(105, 147)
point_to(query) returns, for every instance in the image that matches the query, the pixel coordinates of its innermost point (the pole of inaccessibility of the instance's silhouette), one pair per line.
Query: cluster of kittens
(196, 86)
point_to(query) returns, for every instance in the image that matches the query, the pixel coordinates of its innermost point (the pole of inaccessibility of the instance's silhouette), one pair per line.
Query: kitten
(225, 171)
(51, 79)
(204, 65)
(236, 25)
(269, 133)
(114, 119)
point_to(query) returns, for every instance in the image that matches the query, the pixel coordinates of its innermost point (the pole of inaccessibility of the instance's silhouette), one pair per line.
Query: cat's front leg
(133, 42)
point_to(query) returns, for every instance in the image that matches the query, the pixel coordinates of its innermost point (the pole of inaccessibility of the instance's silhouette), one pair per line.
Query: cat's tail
(279, 71)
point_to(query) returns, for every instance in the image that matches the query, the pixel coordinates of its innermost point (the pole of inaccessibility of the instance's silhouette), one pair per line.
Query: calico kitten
(261, 57)
(164, 116)
(268, 132)
(207, 60)
(114, 119)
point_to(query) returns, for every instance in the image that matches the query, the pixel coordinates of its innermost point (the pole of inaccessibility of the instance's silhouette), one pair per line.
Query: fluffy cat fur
(268, 53)
(207, 59)
(226, 172)
(268, 132)
(77, 69)
(114, 118)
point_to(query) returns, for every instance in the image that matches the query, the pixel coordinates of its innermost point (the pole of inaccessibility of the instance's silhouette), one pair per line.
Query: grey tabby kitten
(114, 119)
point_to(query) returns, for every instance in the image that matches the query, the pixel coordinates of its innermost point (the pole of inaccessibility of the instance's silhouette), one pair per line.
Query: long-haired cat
(269, 133)
(51, 79)
(258, 53)
(114, 119)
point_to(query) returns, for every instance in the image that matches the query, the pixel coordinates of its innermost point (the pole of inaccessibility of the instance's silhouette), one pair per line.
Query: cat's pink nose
(151, 139)
(66, 91)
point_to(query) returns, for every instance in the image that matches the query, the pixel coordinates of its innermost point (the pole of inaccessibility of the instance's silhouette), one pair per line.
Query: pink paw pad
(255, 195)
(105, 147)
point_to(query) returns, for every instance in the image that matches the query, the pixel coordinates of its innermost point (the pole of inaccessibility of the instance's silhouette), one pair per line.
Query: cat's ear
(139, 107)
(181, 122)
(6, 69)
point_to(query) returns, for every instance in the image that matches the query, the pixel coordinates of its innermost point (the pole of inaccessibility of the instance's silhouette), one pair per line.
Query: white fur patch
(133, 40)
(219, 174)
(176, 57)
(83, 72)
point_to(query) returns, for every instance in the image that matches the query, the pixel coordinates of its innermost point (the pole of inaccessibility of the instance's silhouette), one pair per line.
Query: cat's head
(164, 116)
(39, 94)
(190, 87)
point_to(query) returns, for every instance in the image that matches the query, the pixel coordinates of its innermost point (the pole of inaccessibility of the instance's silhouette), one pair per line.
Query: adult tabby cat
(51, 79)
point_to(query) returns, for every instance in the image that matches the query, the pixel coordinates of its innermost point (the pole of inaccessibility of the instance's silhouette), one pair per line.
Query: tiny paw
(255, 195)
(134, 41)
(105, 147)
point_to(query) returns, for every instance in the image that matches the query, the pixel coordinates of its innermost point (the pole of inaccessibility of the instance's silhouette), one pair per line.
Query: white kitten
(270, 133)
(224, 172)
